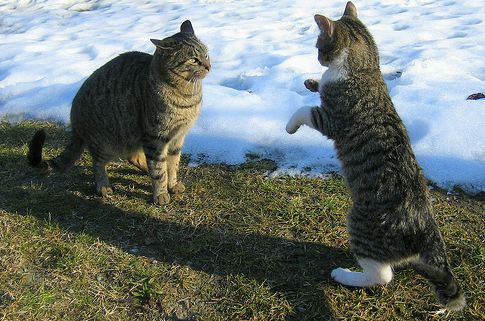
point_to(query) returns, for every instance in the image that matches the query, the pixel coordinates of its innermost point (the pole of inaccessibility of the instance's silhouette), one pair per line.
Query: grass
(236, 245)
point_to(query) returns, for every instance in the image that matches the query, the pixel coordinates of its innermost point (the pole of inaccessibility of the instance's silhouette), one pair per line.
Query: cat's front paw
(301, 117)
(162, 199)
(178, 188)
(292, 126)
(312, 85)
(104, 191)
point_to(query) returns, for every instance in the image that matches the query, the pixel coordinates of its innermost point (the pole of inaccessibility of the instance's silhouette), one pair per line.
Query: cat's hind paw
(374, 273)
(341, 275)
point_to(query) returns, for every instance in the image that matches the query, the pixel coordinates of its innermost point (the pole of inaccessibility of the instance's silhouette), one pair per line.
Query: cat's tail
(434, 266)
(63, 162)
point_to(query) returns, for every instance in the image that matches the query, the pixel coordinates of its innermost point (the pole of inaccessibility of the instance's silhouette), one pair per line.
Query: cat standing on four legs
(138, 107)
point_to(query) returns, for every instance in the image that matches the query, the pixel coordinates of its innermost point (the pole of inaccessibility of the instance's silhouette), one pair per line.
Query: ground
(237, 245)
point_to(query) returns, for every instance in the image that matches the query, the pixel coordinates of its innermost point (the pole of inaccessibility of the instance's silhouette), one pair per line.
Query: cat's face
(184, 54)
(346, 40)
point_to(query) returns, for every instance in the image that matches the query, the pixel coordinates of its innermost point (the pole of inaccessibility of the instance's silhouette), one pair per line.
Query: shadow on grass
(294, 268)
(297, 269)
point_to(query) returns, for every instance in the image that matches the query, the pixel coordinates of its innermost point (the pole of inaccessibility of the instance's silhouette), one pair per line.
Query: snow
(432, 55)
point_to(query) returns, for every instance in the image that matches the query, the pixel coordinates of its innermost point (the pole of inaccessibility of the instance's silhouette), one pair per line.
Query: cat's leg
(301, 117)
(101, 158)
(101, 177)
(156, 157)
(173, 163)
(374, 273)
(313, 117)
(312, 85)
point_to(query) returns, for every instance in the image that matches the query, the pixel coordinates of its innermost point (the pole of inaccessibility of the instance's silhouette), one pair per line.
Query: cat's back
(373, 143)
(123, 73)
(122, 66)
(115, 89)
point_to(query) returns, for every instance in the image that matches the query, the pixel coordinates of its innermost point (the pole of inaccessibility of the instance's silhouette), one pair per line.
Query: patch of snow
(261, 53)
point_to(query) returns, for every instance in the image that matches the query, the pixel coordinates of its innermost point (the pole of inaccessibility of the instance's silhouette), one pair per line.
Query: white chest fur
(336, 70)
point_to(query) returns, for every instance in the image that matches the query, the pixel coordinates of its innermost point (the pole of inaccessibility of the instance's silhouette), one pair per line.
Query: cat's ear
(350, 10)
(166, 43)
(324, 24)
(186, 27)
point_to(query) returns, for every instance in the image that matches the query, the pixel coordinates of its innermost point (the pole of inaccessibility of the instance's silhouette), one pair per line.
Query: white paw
(341, 275)
(292, 126)
(301, 117)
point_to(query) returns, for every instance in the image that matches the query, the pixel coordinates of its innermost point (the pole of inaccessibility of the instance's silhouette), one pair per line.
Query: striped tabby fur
(138, 107)
(391, 221)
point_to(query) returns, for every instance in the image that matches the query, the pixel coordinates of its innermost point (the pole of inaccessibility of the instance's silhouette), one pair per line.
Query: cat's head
(346, 41)
(183, 54)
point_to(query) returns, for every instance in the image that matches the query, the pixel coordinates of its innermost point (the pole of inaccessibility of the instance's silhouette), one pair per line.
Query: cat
(391, 222)
(137, 107)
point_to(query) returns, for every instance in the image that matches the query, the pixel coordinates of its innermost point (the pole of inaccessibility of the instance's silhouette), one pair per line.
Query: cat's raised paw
(178, 188)
(162, 199)
(301, 117)
(311, 85)
(292, 127)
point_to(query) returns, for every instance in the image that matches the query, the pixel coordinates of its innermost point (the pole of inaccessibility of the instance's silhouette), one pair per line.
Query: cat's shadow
(294, 269)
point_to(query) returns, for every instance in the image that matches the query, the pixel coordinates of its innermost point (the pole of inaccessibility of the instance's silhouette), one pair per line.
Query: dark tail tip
(455, 302)
(35, 148)
(448, 291)
(445, 284)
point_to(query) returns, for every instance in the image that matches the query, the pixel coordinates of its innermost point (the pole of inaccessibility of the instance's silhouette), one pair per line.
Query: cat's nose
(207, 66)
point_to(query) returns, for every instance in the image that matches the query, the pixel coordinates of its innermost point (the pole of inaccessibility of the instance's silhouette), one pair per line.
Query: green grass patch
(237, 245)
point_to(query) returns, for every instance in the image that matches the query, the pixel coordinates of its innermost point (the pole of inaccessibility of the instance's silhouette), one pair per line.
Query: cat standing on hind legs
(391, 221)
(138, 107)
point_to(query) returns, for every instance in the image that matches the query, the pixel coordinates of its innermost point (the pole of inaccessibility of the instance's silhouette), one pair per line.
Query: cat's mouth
(202, 73)
(197, 75)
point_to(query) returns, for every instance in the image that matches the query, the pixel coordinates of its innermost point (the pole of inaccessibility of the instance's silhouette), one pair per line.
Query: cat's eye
(193, 61)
